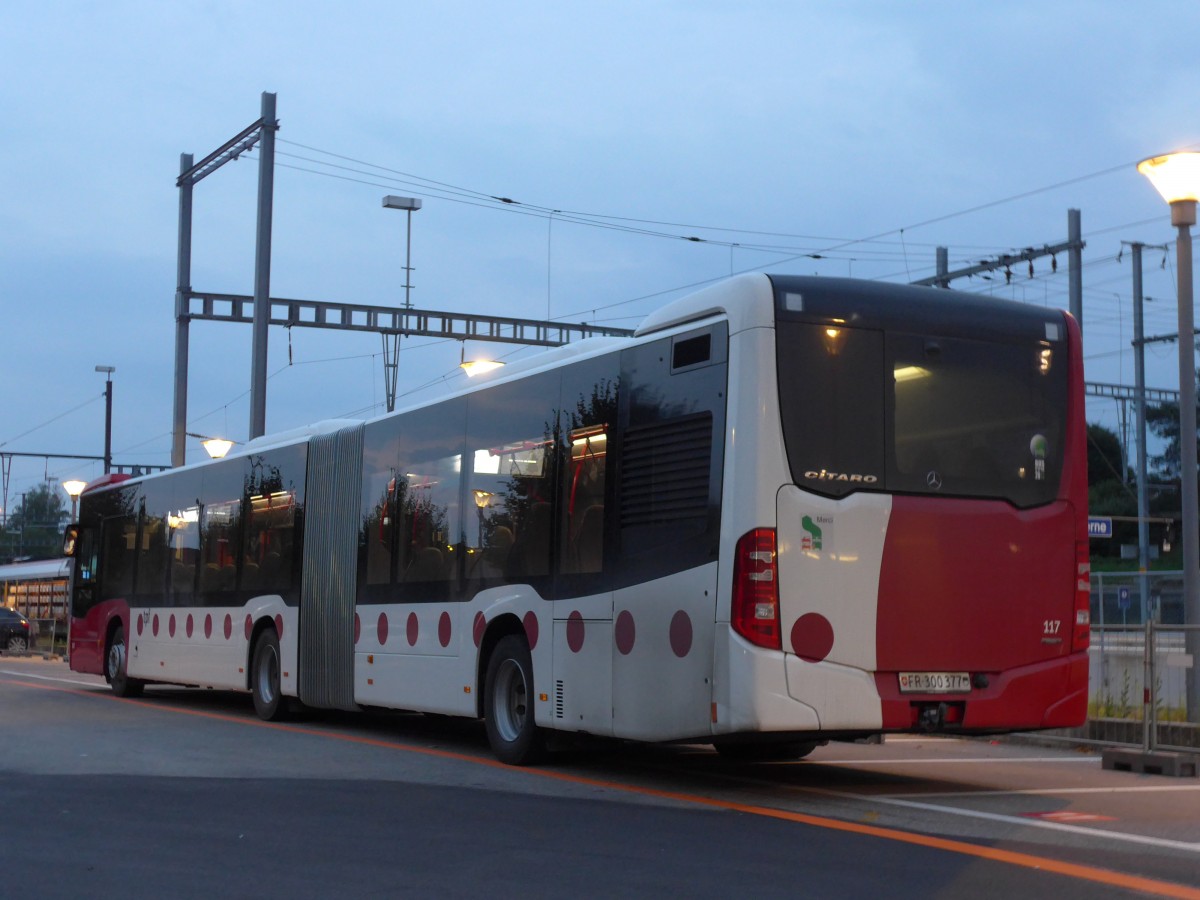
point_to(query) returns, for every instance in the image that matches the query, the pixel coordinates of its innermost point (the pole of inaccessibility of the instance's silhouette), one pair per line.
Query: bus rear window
(865, 409)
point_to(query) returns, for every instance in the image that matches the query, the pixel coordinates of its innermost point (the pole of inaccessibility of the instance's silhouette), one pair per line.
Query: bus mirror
(70, 538)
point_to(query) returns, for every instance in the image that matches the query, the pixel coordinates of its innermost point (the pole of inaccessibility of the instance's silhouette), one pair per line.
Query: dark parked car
(17, 633)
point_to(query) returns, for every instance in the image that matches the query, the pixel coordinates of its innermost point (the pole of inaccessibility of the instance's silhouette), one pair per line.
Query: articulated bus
(787, 510)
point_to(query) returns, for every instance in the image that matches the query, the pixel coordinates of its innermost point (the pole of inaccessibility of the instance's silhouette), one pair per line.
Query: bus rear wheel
(508, 704)
(269, 701)
(115, 667)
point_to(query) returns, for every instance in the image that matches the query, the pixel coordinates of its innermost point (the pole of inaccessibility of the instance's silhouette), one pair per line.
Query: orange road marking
(1023, 860)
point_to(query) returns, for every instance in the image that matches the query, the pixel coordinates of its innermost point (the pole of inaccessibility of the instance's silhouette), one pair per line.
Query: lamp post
(409, 204)
(74, 488)
(1176, 176)
(107, 371)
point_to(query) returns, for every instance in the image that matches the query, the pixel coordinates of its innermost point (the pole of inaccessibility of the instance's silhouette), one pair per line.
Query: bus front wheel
(508, 704)
(116, 667)
(269, 702)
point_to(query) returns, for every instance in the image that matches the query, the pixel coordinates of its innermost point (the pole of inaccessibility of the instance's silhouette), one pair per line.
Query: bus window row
(196, 537)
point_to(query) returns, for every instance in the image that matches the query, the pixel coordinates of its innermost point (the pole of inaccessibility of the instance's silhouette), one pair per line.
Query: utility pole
(1139, 387)
(1075, 267)
(261, 130)
(262, 268)
(1073, 245)
(108, 373)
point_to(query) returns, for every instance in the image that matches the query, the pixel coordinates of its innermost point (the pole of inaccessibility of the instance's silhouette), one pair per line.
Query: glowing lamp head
(475, 367)
(73, 487)
(1175, 175)
(216, 447)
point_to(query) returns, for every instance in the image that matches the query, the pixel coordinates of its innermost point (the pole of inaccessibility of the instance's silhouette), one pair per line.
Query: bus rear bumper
(1051, 694)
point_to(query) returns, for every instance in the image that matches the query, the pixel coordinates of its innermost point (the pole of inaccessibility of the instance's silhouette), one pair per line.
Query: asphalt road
(187, 794)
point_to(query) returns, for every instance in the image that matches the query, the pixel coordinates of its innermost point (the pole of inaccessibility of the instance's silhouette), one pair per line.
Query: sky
(833, 138)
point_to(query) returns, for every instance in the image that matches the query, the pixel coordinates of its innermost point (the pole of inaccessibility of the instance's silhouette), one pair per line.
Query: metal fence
(1141, 663)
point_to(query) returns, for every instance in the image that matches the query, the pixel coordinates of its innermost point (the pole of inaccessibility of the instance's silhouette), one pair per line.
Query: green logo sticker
(811, 540)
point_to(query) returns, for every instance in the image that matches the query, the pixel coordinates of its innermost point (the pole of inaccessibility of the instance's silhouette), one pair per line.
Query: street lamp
(409, 204)
(475, 367)
(215, 447)
(1177, 177)
(74, 488)
(107, 371)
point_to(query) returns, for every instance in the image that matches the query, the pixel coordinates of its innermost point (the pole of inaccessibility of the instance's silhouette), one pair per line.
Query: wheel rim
(511, 700)
(16, 643)
(268, 675)
(116, 659)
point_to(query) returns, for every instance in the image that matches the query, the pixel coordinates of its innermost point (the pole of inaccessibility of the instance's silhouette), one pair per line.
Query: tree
(1104, 457)
(34, 528)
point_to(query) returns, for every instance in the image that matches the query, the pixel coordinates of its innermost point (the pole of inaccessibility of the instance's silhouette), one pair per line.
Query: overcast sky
(805, 127)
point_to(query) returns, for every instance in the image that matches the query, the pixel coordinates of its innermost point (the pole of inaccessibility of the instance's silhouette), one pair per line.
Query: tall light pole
(1177, 177)
(107, 371)
(410, 204)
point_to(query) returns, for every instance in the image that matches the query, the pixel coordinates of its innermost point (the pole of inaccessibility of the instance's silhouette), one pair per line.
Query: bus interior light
(910, 373)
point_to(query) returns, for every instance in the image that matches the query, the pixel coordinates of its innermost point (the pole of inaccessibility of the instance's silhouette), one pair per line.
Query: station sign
(1100, 527)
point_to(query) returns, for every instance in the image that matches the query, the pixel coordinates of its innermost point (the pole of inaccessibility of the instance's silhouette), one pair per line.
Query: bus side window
(584, 500)
(116, 577)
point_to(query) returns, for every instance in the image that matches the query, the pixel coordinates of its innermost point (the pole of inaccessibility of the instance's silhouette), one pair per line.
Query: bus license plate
(935, 683)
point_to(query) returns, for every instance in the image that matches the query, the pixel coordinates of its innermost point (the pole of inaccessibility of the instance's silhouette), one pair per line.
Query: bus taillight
(755, 613)
(1081, 632)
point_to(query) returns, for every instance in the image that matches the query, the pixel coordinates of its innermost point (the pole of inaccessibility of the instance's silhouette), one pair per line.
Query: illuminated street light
(1177, 177)
(74, 488)
(216, 447)
(475, 367)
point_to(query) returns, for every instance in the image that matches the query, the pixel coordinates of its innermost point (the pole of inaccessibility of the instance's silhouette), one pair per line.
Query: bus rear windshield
(922, 413)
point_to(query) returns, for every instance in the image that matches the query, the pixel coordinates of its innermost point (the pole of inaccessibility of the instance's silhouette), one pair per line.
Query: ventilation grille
(665, 469)
(558, 699)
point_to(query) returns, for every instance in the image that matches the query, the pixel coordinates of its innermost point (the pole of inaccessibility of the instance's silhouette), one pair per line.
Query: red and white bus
(786, 510)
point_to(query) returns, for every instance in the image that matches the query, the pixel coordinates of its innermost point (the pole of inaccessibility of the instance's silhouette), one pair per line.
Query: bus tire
(508, 704)
(116, 662)
(265, 667)
(738, 751)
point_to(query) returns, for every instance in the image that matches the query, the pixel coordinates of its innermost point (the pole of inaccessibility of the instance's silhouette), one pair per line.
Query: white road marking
(989, 760)
(1035, 823)
(91, 684)
(1144, 789)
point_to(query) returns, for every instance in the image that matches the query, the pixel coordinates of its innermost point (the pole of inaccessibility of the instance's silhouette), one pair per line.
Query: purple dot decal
(357, 628)
(228, 626)
(812, 637)
(681, 634)
(575, 631)
(279, 625)
(478, 626)
(208, 626)
(382, 628)
(154, 625)
(171, 625)
(444, 629)
(190, 625)
(531, 628)
(249, 627)
(412, 629)
(625, 632)
(140, 626)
